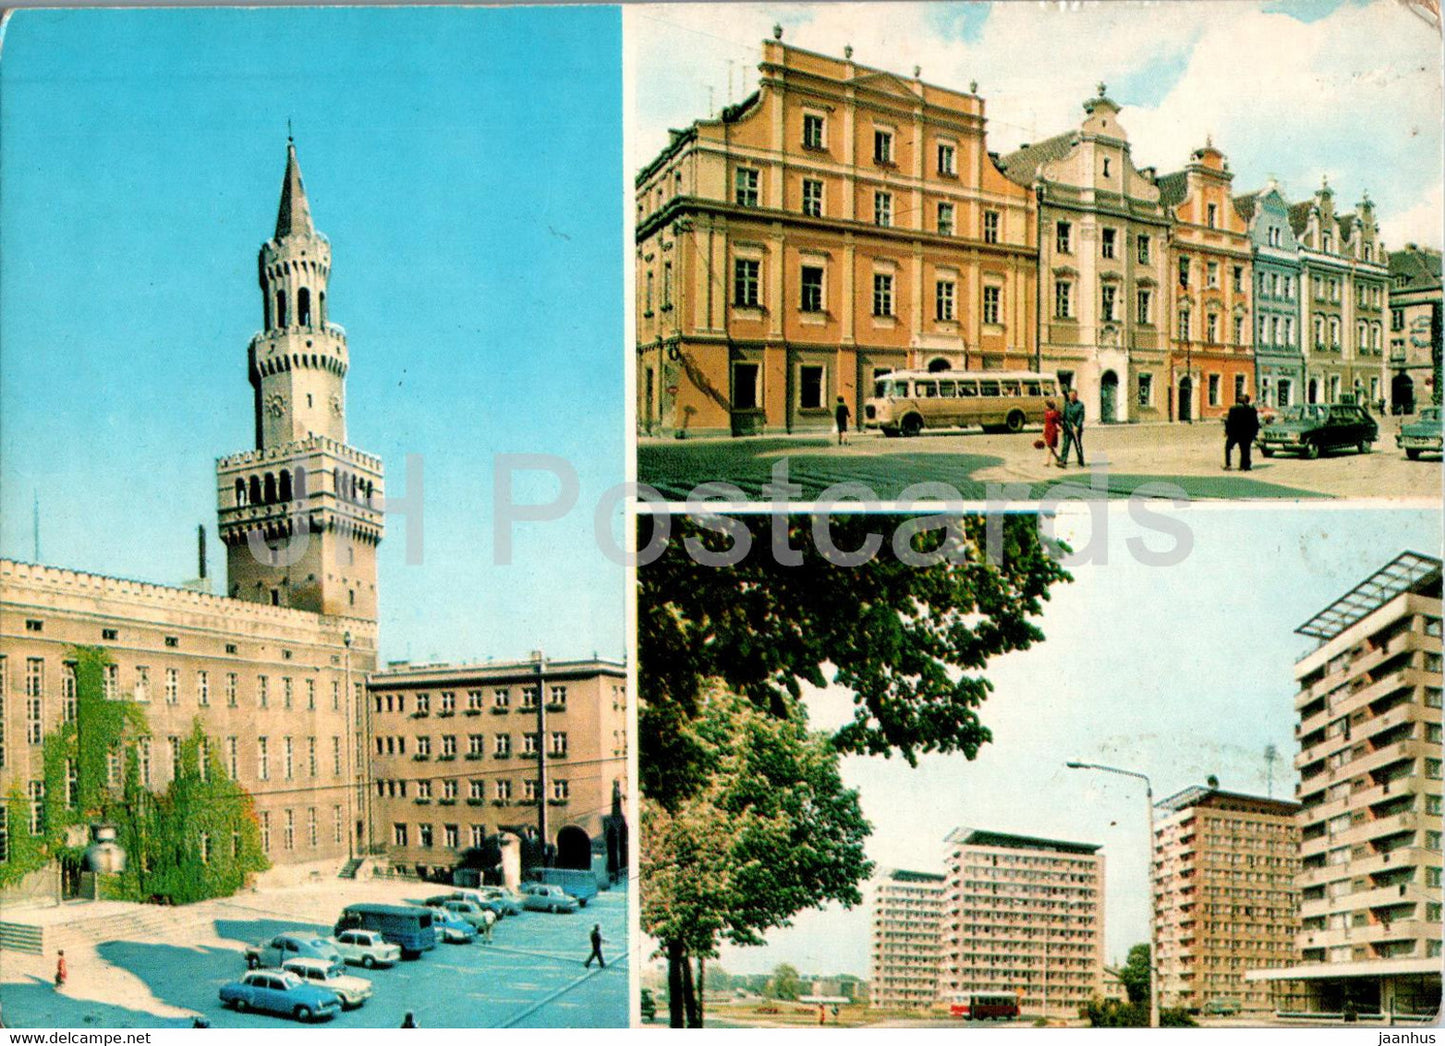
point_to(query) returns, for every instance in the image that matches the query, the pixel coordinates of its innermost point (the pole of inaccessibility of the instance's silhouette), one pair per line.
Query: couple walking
(1071, 421)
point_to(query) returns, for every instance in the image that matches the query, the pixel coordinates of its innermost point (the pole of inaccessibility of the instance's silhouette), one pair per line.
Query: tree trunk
(688, 995)
(701, 994)
(676, 964)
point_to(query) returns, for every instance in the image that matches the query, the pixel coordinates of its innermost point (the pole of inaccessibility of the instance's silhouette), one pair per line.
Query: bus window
(926, 390)
(1011, 388)
(881, 389)
(1031, 388)
(1050, 389)
(968, 388)
(988, 388)
(947, 390)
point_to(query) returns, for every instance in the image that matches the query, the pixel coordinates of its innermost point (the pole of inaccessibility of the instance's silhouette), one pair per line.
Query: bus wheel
(912, 425)
(1015, 422)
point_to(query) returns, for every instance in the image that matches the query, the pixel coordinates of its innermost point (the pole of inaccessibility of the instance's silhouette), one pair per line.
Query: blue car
(282, 993)
(451, 928)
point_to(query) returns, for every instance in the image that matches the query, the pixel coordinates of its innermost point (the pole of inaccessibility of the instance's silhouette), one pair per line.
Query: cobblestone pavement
(981, 466)
(530, 976)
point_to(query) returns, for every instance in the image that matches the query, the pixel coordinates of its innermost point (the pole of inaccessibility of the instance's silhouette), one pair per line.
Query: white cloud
(1356, 94)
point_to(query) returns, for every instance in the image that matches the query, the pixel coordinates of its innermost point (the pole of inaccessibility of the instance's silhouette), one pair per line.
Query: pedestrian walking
(1052, 419)
(60, 971)
(596, 947)
(1241, 425)
(485, 930)
(1073, 429)
(409, 1021)
(841, 414)
(822, 1015)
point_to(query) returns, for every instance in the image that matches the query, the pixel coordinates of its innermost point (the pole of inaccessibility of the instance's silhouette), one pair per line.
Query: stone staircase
(349, 870)
(141, 922)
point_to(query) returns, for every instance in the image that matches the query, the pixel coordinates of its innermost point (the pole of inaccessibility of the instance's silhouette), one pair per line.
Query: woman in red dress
(1052, 419)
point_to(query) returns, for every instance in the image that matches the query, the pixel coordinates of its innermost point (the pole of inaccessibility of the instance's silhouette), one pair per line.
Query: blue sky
(1178, 672)
(465, 164)
(1291, 89)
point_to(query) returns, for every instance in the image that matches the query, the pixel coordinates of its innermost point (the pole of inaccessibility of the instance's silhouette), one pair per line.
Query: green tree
(1134, 974)
(786, 984)
(768, 832)
(909, 641)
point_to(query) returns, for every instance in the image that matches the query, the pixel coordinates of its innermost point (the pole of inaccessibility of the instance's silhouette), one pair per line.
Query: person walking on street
(60, 971)
(596, 947)
(1073, 429)
(1052, 418)
(841, 414)
(409, 1021)
(1241, 425)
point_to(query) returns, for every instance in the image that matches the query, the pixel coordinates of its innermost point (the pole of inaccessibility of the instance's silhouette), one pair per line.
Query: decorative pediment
(1065, 270)
(1110, 277)
(885, 83)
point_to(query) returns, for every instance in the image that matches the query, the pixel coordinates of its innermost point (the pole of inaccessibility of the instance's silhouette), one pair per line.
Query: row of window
(288, 829)
(476, 745)
(747, 293)
(476, 700)
(1212, 271)
(1211, 327)
(502, 790)
(426, 836)
(1109, 242)
(288, 757)
(1109, 311)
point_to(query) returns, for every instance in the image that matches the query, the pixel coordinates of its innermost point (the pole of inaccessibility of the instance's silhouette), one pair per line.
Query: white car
(353, 991)
(366, 948)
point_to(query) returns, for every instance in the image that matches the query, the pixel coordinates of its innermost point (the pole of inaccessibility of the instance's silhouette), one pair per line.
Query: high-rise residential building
(1023, 915)
(1415, 328)
(1103, 265)
(907, 926)
(1278, 358)
(839, 223)
(1225, 897)
(1212, 362)
(1369, 761)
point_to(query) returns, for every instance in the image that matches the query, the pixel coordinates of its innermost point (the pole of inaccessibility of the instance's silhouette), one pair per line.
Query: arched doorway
(1109, 397)
(1186, 399)
(937, 364)
(574, 848)
(1402, 394)
(1313, 392)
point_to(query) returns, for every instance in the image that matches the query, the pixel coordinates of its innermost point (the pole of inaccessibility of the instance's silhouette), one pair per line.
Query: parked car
(1222, 1006)
(577, 882)
(1309, 429)
(276, 991)
(406, 926)
(366, 948)
(450, 927)
(354, 991)
(1421, 436)
(498, 898)
(462, 908)
(544, 897)
(292, 944)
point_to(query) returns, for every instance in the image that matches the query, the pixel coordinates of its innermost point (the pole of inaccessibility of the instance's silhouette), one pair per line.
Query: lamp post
(1153, 928)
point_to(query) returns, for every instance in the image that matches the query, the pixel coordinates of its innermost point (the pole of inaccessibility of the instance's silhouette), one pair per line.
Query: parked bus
(984, 1006)
(408, 927)
(909, 401)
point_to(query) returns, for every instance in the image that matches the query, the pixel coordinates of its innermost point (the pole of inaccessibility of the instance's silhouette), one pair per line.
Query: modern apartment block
(1369, 734)
(1023, 915)
(1225, 898)
(907, 927)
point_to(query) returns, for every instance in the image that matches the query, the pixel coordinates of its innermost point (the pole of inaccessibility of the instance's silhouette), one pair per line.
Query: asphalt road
(1123, 460)
(530, 976)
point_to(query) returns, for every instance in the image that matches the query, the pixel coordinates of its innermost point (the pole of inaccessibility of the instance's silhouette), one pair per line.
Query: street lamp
(1153, 929)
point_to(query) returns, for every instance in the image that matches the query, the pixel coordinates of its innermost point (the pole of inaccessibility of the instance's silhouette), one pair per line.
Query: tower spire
(294, 215)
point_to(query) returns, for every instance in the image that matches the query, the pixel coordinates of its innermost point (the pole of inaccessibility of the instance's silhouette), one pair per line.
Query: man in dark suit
(1241, 425)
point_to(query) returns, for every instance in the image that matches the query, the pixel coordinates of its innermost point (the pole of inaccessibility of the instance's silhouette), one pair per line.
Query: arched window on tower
(285, 486)
(369, 492)
(255, 490)
(341, 487)
(280, 308)
(269, 487)
(354, 487)
(240, 492)
(300, 481)
(321, 307)
(303, 307)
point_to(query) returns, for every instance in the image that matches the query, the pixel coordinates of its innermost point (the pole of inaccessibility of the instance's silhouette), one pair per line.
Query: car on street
(279, 992)
(1421, 436)
(498, 898)
(450, 927)
(462, 908)
(292, 944)
(354, 991)
(1221, 1006)
(366, 948)
(544, 897)
(1311, 428)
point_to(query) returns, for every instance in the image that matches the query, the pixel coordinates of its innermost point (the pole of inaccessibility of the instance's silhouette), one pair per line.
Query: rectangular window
(812, 131)
(4, 834)
(173, 749)
(1063, 299)
(811, 289)
(232, 687)
(1143, 250)
(745, 282)
(945, 219)
(810, 388)
(476, 789)
(1239, 330)
(883, 209)
(311, 827)
(335, 696)
(34, 699)
(1238, 387)
(173, 686)
(69, 707)
(558, 745)
(263, 759)
(882, 146)
(450, 838)
(1146, 390)
(500, 700)
(143, 756)
(1183, 324)
(37, 807)
(503, 745)
(504, 791)
(1212, 215)
(449, 746)
(882, 294)
(311, 695)
(111, 682)
(287, 749)
(478, 835)
(529, 790)
(424, 836)
(231, 758)
(745, 386)
(812, 197)
(529, 744)
(1211, 328)
(947, 160)
(992, 297)
(1184, 273)
(1107, 293)
(398, 835)
(1106, 244)
(1142, 302)
(559, 791)
(990, 226)
(1211, 274)
(1214, 390)
(1063, 233)
(203, 688)
(263, 691)
(943, 297)
(745, 185)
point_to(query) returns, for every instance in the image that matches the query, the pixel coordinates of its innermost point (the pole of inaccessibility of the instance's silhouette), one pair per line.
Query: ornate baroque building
(1278, 359)
(1414, 298)
(1103, 260)
(840, 223)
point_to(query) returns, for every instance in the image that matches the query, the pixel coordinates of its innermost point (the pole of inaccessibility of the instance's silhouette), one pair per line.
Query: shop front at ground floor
(1392, 990)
